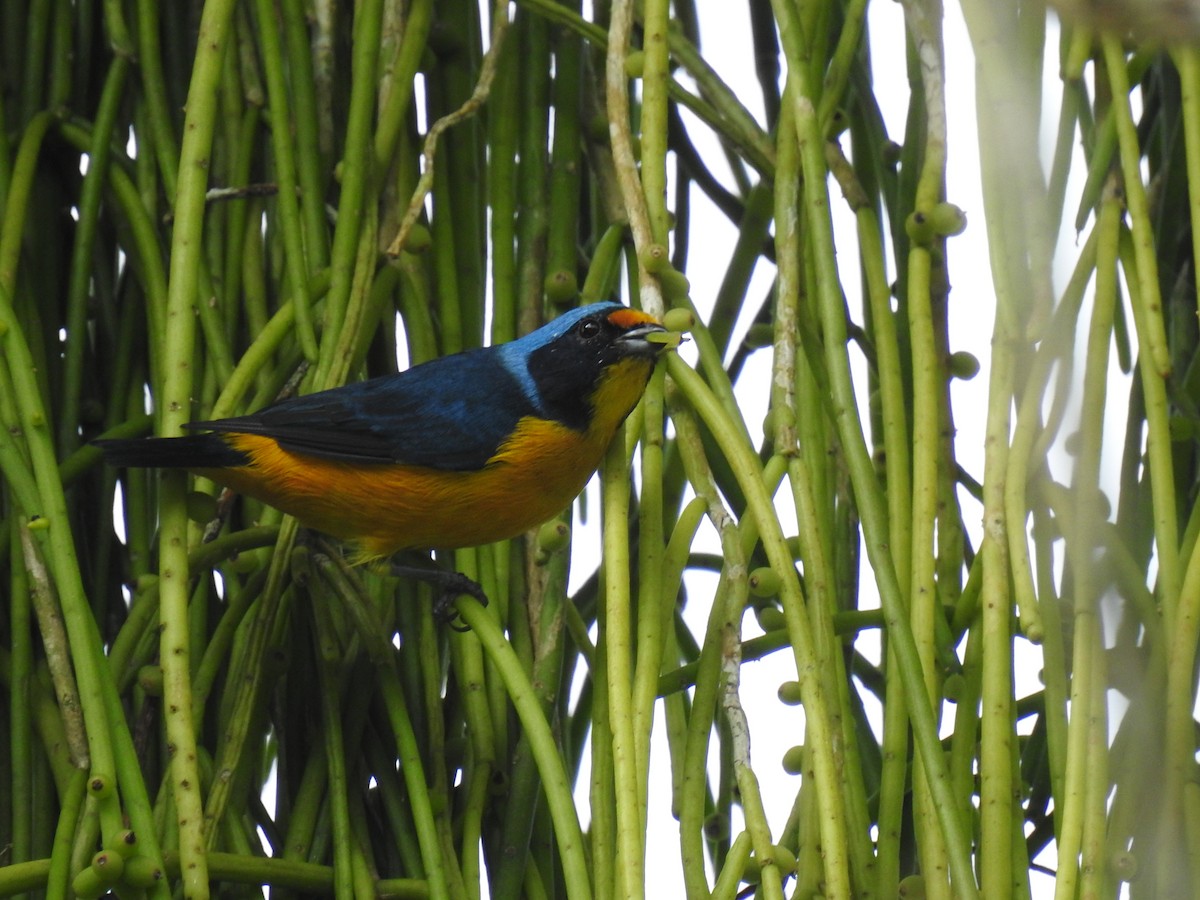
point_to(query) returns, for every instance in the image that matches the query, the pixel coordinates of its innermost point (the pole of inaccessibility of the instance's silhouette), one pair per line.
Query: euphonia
(459, 451)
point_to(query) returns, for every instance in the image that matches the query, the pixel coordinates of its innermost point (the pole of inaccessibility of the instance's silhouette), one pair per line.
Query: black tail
(195, 451)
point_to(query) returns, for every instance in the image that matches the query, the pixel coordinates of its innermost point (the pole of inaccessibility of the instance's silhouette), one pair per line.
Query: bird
(459, 451)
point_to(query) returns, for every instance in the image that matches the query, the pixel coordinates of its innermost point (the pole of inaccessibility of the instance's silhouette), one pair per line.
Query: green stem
(632, 194)
(84, 250)
(794, 389)
(1158, 442)
(12, 226)
(653, 603)
(20, 718)
(655, 78)
(55, 646)
(868, 494)
(175, 401)
(533, 91)
(842, 62)
(630, 781)
(1176, 829)
(1143, 233)
(997, 722)
(1187, 60)
(566, 167)
(401, 71)
(285, 172)
(148, 256)
(1148, 311)
(353, 210)
(690, 768)
(467, 656)
(68, 818)
(834, 840)
(150, 68)
(258, 355)
(300, 61)
(335, 756)
(414, 777)
(40, 13)
(503, 131)
(555, 783)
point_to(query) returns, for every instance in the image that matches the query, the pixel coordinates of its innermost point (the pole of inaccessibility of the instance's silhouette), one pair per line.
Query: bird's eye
(589, 329)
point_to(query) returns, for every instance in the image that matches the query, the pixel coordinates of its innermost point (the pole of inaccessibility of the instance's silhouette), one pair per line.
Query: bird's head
(589, 367)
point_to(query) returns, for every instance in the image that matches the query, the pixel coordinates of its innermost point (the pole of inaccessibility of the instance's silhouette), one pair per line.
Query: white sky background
(726, 43)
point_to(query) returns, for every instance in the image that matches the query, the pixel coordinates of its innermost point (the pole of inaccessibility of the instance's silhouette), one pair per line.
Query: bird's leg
(224, 506)
(448, 584)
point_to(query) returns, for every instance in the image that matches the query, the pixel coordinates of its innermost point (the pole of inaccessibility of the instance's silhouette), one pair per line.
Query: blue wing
(450, 413)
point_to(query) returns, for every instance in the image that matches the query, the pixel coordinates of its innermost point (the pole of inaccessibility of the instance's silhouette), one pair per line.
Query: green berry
(101, 786)
(954, 687)
(716, 827)
(761, 334)
(420, 238)
(656, 259)
(124, 843)
(1124, 865)
(838, 123)
(675, 285)
(963, 365)
(793, 760)
(150, 680)
(789, 693)
(771, 618)
(109, 866)
(553, 536)
(141, 872)
(87, 884)
(947, 219)
(498, 783)
(679, 319)
(765, 582)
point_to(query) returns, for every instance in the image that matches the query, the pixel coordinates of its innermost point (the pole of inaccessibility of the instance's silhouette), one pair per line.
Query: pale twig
(747, 781)
(616, 95)
(483, 87)
(58, 654)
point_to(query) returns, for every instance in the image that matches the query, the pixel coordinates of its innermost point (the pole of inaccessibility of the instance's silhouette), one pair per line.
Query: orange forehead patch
(631, 318)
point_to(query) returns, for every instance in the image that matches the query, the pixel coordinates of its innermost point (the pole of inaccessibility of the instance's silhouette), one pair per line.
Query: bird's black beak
(639, 340)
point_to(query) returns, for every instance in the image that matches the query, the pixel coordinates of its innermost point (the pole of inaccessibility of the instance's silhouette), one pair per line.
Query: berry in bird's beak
(647, 339)
(668, 339)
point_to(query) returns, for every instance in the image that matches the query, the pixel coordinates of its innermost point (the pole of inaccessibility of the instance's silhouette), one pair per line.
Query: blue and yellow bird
(459, 451)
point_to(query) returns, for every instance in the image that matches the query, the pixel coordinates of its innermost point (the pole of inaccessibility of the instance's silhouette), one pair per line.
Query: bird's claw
(450, 586)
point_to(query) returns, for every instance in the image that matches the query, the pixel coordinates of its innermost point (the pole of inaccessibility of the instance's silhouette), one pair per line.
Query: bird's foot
(449, 586)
